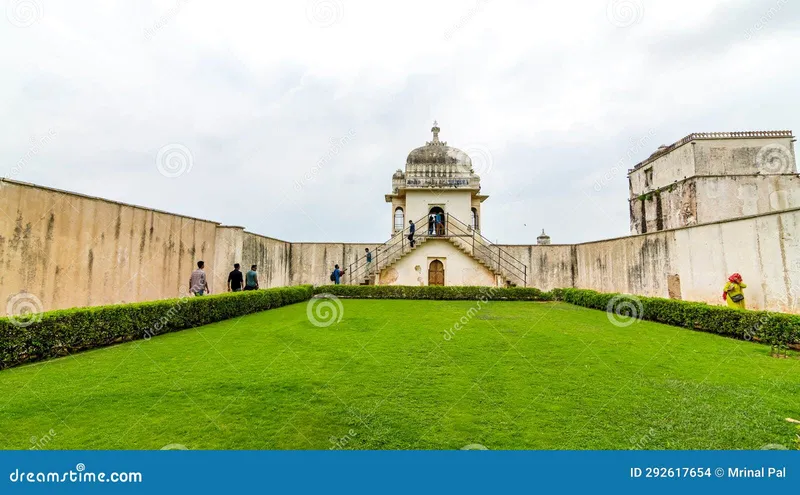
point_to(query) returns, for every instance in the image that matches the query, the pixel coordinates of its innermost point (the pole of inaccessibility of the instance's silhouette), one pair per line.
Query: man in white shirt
(197, 282)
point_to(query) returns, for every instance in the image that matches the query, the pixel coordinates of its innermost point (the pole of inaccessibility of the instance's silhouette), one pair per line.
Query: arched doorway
(474, 220)
(437, 227)
(436, 273)
(399, 220)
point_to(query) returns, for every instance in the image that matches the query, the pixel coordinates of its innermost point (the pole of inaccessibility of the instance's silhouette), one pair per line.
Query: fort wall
(68, 250)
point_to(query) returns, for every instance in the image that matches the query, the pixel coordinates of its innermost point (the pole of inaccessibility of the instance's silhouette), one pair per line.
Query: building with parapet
(713, 176)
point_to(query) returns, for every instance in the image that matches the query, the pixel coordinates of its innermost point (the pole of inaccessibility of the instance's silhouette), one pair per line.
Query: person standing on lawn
(235, 279)
(197, 282)
(251, 279)
(733, 293)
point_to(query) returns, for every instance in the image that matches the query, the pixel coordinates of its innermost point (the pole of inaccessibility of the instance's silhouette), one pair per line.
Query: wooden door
(436, 273)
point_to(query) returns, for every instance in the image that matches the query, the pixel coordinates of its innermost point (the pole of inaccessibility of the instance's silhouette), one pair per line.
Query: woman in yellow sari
(733, 293)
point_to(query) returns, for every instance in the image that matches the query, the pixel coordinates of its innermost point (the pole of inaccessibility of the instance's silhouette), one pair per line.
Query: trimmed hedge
(63, 332)
(764, 326)
(434, 292)
(58, 333)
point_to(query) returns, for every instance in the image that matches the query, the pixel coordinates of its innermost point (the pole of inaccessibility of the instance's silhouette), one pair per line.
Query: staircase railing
(358, 271)
(497, 258)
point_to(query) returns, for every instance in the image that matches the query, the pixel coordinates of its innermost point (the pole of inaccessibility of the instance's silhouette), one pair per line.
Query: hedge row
(58, 333)
(63, 332)
(763, 326)
(434, 292)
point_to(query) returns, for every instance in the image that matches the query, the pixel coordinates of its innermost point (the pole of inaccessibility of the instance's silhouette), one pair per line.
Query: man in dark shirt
(235, 279)
(411, 228)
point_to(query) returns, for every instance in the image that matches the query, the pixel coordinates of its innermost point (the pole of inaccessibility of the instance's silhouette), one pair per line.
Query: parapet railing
(358, 271)
(497, 258)
(714, 135)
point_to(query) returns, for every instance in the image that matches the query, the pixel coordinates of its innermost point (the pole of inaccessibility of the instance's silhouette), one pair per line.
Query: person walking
(336, 276)
(197, 282)
(733, 293)
(369, 261)
(411, 228)
(431, 223)
(235, 279)
(251, 279)
(440, 223)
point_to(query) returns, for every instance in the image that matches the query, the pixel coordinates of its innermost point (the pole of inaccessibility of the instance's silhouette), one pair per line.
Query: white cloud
(256, 91)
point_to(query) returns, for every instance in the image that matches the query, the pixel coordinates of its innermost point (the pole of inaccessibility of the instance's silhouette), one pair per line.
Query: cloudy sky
(222, 110)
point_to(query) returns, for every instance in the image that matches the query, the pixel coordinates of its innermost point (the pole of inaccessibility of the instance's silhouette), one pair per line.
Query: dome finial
(543, 239)
(435, 130)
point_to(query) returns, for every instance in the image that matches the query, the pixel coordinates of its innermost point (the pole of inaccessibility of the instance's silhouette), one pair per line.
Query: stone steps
(489, 265)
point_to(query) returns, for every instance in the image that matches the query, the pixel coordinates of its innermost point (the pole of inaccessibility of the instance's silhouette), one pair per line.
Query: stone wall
(67, 250)
(549, 267)
(712, 199)
(710, 177)
(235, 245)
(693, 263)
(312, 262)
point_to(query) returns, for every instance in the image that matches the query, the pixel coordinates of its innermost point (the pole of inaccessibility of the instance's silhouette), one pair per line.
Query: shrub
(58, 333)
(434, 292)
(777, 329)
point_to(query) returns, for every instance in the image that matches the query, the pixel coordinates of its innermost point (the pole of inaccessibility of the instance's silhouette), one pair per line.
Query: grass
(517, 376)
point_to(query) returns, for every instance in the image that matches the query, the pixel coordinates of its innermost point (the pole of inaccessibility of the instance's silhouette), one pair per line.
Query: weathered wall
(634, 265)
(549, 267)
(711, 199)
(764, 249)
(235, 245)
(709, 177)
(694, 263)
(703, 155)
(312, 262)
(68, 250)
(741, 156)
(666, 169)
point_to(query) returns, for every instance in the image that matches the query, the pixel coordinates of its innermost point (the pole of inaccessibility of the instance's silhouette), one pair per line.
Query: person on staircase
(369, 262)
(411, 228)
(431, 223)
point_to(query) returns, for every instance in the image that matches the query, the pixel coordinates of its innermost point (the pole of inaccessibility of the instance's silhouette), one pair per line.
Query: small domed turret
(543, 239)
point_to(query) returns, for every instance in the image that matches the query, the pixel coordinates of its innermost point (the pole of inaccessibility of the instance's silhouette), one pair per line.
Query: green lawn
(518, 376)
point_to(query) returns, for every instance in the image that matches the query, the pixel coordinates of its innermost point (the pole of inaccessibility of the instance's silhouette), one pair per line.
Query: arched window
(474, 219)
(399, 219)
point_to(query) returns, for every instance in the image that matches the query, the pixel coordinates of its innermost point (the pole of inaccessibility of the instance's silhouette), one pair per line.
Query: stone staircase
(493, 258)
(369, 279)
(392, 259)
